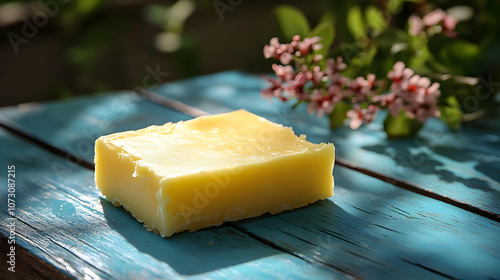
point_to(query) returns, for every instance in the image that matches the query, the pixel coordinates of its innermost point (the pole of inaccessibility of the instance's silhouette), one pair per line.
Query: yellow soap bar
(212, 169)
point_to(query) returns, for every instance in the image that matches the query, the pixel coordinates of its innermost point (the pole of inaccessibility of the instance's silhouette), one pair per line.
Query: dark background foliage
(89, 46)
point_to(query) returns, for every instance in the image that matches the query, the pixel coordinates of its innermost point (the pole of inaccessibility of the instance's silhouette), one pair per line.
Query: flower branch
(301, 77)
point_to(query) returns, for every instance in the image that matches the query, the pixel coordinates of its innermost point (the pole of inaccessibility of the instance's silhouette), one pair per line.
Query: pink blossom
(323, 88)
(399, 72)
(370, 113)
(296, 86)
(416, 25)
(432, 93)
(295, 43)
(320, 103)
(359, 116)
(338, 79)
(270, 50)
(360, 88)
(392, 101)
(286, 58)
(336, 92)
(428, 93)
(438, 18)
(449, 25)
(279, 51)
(409, 88)
(274, 91)
(421, 86)
(422, 111)
(317, 58)
(283, 49)
(335, 66)
(356, 117)
(332, 71)
(307, 45)
(316, 76)
(284, 72)
(418, 90)
(434, 17)
(370, 78)
(325, 103)
(413, 93)
(286, 52)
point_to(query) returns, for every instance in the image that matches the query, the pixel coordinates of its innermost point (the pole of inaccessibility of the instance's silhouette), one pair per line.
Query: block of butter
(212, 169)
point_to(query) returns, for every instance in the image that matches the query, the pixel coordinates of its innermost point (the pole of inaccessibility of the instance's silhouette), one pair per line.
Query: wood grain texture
(61, 218)
(462, 165)
(387, 233)
(370, 229)
(28, 266)
(74, 126)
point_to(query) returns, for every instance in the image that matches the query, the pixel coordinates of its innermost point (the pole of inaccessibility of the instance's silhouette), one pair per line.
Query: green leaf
(452, 101)
(394, 41)
(87, 6)
(292, 22)
(356, 22)
(326, 32)
(394, 5)
(338, 115)
(155, 14)
(375, 19)
(401, 126)
(328, 17)
(461, 55)
(451, 114)
(361, 64)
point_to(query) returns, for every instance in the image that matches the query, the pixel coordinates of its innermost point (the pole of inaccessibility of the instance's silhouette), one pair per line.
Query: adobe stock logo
(221, 7)
(31, 27)
(202, 198)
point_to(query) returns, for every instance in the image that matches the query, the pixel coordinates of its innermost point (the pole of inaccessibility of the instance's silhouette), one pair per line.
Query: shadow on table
(188, 253)
(325, 233)
(433, 166)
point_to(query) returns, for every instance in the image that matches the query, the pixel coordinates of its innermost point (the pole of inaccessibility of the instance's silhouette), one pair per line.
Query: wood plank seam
(429, 269)
(170, 103)
(194, 112)
(47, 146)
(419, 190)
(38, 268)
(282, 249)
(27, 239)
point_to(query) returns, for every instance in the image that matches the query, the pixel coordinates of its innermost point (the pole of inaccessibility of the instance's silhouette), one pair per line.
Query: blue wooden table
(420, 208)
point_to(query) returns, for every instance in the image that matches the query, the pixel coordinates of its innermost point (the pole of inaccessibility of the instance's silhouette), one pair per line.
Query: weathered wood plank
(374, 230)
(370, 227)
(462, 165)
(74, 126)
(60, 217)
(27, 266)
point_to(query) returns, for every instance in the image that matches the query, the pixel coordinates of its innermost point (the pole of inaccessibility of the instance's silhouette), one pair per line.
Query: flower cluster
(308, 82)
(432, 23)
(324, 87)
(415, 94)
(286, 52)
